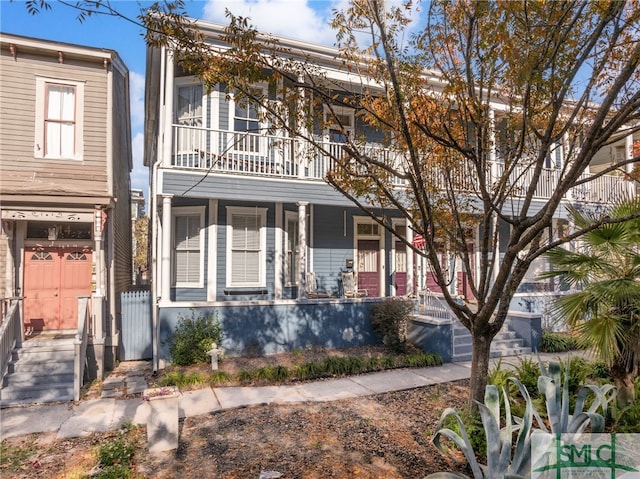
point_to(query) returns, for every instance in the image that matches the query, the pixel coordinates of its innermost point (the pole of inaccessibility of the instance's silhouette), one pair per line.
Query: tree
(471, 107)
(605, 311)
(141, 242)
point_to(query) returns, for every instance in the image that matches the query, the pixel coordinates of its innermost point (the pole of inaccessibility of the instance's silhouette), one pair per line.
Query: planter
(163, 420)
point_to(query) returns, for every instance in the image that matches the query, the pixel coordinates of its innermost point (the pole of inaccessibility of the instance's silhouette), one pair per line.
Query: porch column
(279, 262)
(302, 146)
(165, 255)
(302, 245)
(410, 278)
(628, 151)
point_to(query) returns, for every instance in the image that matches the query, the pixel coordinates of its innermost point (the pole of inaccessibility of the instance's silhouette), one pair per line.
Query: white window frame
(188, 211)
(330, 123)
(39, 147)
(189, 82)
(263, 87)
(262, 274)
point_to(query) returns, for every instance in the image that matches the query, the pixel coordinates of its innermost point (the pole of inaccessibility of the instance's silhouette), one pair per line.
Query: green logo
(606, 456)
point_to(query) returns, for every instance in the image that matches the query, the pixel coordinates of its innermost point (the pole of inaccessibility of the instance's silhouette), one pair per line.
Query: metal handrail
(430, 305)
(80, 345)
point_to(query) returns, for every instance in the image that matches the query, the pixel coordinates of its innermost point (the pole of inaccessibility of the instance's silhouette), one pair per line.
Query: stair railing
(430, 305)
(11, 331)
(80, 345)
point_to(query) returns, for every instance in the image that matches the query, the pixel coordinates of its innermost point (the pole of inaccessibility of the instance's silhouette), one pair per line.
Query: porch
(199, 149)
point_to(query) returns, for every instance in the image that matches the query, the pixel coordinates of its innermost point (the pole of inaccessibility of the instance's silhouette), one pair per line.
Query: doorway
(53, 280)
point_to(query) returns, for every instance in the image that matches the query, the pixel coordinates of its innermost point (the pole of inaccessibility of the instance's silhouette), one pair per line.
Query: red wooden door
(400, 273)
(41, 288)
(369, 266)
(53, 280)
(464, 289)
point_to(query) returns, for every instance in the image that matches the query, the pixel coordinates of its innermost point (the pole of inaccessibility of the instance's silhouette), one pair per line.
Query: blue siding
(269, 328)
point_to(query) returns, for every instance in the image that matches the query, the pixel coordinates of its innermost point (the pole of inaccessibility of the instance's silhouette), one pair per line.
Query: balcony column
(302, 245)
(493, 157)
(302, 146)
(628, 150)
(165, 255)
(279, 253)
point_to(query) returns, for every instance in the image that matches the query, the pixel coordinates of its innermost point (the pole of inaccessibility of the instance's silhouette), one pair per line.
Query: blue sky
(299, 19)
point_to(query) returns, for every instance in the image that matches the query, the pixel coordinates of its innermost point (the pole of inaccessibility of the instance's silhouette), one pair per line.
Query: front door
(400, 273)
(369, 266)
(53, 280)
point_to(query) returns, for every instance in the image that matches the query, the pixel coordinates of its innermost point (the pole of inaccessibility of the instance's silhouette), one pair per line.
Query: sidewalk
(98, 415)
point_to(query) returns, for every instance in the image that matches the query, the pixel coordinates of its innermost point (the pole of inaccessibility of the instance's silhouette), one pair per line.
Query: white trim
(289, 215)
(212, 249)
(392, 257)
(188, 211)
(357, 220)
(39, 146)
(262, 212)
(279, 254)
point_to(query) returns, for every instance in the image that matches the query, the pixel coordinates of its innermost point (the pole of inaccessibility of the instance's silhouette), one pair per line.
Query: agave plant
(556, 394)
(504, 460)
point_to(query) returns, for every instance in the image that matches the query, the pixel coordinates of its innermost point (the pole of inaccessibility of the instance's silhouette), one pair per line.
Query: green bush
(193, 337)
(181, 379)
(389, 319)
(552, 342)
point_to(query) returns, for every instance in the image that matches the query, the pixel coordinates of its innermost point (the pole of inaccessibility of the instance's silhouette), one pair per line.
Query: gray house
(65, 158)
(245, 228)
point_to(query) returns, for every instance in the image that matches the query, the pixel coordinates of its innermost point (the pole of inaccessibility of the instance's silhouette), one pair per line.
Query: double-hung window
(246, 122)
(188, 242)
(59, 119)
(246, 246)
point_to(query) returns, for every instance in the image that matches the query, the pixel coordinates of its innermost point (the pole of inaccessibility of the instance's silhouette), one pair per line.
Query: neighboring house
(239, 220)
(65, 159)
(137, 212)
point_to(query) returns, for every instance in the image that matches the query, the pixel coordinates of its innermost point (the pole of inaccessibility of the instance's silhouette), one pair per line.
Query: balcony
(224, 151)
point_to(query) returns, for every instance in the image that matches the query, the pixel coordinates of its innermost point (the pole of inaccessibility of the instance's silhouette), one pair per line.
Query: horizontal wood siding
(20, 172)
(239, 188)
(332, 245)
(121, 148)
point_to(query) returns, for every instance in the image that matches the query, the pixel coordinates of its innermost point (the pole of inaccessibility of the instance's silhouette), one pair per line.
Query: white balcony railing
(272, 155)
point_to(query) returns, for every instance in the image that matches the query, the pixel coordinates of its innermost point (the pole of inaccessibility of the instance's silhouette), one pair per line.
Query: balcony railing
(226, 151)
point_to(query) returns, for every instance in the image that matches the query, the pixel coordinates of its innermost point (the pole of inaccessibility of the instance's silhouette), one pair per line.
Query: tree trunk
(624, 381)
(481, 341)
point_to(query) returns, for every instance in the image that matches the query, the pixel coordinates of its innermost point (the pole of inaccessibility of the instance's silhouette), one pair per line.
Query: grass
(334, 366)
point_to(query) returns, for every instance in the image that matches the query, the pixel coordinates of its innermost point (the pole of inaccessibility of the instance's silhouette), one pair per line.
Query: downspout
(154, 216)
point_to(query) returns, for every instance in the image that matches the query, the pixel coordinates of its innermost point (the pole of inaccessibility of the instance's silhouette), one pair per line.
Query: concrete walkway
(97, 415)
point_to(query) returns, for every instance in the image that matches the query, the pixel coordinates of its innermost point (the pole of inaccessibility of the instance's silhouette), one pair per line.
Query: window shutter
(187, 246)
(245, 254)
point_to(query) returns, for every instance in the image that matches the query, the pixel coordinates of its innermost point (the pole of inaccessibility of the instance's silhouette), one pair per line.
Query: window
(339, 123)
(59, 119)
(188, 243)
(246, 245)
(246, 122)
(292, 267)
(189, 115)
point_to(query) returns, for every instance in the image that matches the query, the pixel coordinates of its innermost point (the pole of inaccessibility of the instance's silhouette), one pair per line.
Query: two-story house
(65, 159)
(245, 227)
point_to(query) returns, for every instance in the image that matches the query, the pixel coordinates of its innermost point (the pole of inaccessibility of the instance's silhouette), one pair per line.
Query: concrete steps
(40, 371)
(506, 343)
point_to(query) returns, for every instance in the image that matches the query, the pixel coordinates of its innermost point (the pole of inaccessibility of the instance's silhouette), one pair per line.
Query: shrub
(552, 342)
(389, 320)
(181, 379)
(193, 337)
(116, 452)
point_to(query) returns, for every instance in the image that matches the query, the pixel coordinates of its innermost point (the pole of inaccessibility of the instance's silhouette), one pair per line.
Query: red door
(400, 273)
(369, 266)
(53, 280)
(464, 289)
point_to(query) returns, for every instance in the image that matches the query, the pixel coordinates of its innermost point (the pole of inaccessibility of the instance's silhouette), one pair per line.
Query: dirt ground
(384, 436)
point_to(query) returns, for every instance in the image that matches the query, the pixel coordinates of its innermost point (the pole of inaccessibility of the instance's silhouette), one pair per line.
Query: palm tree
(605, 310)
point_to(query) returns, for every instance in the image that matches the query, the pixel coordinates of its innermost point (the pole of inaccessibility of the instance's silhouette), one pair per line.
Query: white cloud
(136, 99)
(140, 173)
(296, 19)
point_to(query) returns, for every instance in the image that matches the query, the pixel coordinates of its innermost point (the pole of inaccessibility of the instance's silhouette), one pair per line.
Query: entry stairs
(40, 371)
(505, 343)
